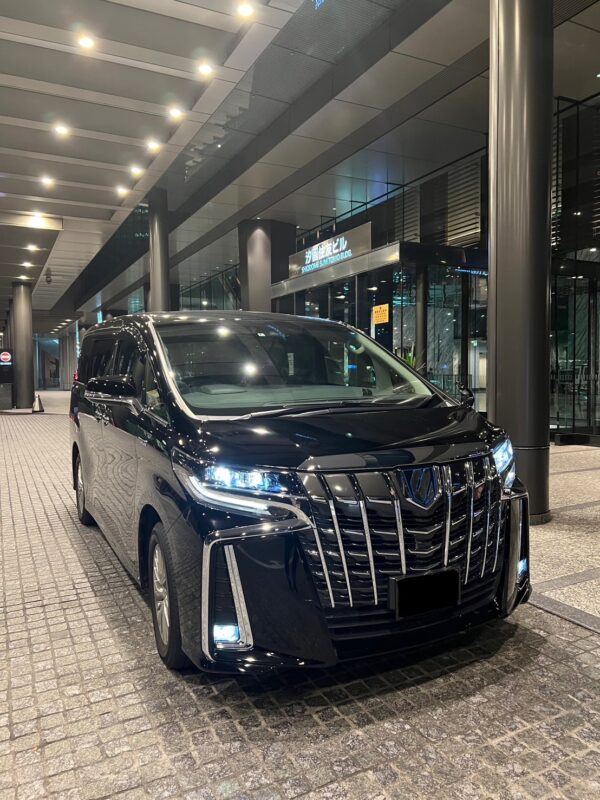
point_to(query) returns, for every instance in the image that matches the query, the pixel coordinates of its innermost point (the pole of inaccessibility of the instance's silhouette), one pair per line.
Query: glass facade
(441, 227)
(219, 292)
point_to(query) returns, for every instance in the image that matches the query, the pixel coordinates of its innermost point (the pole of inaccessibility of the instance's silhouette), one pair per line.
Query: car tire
(84, 515)
(163, 601)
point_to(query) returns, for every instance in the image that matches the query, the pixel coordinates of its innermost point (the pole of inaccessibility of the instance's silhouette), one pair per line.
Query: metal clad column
(22, 345)
(264, 248)
(422, 296)
(158, 213)
(520, 144)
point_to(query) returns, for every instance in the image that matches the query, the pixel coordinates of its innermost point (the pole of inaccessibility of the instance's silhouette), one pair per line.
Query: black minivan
(290, 493)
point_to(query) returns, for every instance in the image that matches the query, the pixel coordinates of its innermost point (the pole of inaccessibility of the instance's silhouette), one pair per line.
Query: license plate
(421, 594)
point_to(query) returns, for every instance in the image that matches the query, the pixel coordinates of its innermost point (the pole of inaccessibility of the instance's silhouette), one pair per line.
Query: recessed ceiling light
(245, 10)
(27, 264)
(37, 221)
(23, 277)
(136, 170)
(62, 130)
(47, 181)
(86, 41)
(219, 146)
(175, 113)
(153, 145)
(32, 248)
(122, 191)
(593, 249)
(205, 69)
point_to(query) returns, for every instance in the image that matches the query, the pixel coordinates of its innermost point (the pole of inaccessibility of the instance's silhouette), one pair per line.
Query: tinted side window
(83, 368)
(128, 356)
(151, 396)
(100, 357)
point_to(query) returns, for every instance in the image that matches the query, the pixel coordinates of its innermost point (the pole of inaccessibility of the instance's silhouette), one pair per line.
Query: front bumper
(281, 619)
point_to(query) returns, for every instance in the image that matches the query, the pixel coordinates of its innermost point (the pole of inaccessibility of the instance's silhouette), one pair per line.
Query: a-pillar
(265, 248)
(520, 147)
(22, 346)
(158, 216)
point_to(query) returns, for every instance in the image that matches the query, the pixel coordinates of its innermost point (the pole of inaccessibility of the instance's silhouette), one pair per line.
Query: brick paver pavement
(88, 711)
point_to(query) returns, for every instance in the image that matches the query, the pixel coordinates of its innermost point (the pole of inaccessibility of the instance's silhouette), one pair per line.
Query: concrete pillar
(265, 247)
(422, 295)
(158, 218)
(521, 56)
(10, 324)
(23, 345)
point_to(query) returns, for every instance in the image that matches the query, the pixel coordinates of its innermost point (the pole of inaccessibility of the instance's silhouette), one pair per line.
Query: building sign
(332, 251)
(6, 366)
(381, 314)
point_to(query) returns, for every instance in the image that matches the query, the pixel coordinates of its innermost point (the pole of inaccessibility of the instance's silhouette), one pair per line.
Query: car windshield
(253, 365)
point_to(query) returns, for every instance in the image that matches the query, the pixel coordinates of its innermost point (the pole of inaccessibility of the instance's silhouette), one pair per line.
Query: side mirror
(111, 387)
(467, 398)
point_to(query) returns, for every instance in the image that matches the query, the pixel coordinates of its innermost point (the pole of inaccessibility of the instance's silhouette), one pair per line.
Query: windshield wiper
(310, 408)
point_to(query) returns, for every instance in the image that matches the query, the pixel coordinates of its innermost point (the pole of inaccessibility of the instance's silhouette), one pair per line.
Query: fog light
(523, 568)
(226, 634)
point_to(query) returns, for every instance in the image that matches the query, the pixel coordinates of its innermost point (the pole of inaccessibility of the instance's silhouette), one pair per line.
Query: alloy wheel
(80, 491)
(160, 587)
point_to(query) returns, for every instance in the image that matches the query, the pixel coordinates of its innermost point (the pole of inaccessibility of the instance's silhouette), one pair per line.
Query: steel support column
(264, 249)
(159, 295)
(422, 296)
(520, 145)
(22, 345)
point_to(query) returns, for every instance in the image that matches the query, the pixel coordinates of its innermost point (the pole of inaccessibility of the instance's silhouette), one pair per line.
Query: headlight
(258, 493)
(243, 479)
(504, 459)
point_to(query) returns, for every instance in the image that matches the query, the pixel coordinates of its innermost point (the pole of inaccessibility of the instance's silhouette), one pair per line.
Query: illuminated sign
(381, 314)
(6, 366)
(332, 251)
(318, 3)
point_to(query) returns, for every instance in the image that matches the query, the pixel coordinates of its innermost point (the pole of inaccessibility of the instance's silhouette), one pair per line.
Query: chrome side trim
(239, 601)
(447, 481)
(498, 529)
(488, 480)
(223, 538)
(398, 515)
(365, 521)
(470, 491)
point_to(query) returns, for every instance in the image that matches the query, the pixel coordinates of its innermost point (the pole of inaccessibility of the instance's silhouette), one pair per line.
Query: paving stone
(88, 712)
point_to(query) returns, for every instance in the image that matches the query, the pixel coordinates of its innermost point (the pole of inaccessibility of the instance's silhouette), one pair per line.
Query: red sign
(5, 357)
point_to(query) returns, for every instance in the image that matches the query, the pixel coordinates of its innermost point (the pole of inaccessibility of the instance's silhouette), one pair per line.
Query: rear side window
(83, 368)
(100, 357)
(130, 360)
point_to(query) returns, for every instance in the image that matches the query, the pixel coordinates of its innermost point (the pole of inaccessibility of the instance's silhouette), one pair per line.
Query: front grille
(373, 526)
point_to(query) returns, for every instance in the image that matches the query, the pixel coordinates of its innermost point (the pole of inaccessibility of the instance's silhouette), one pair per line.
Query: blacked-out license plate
(420, 594)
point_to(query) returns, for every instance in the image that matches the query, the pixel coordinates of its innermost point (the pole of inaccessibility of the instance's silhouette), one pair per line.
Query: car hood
(348, 440)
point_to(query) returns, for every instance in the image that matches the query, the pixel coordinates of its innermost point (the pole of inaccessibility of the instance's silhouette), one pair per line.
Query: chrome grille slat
(365, 520)
(398, 516)
(373, 526)
(470, 498)
(447, 479)
(338, 534)
(488, 479)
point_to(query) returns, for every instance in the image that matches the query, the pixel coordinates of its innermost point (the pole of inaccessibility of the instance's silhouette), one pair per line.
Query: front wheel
(84, 515)
(165, 611)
